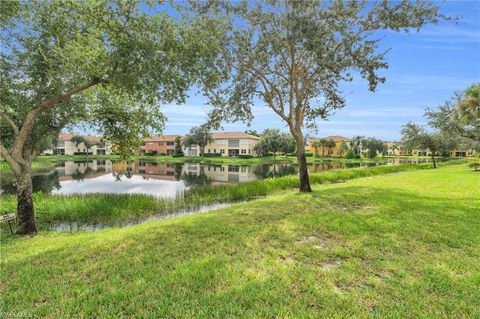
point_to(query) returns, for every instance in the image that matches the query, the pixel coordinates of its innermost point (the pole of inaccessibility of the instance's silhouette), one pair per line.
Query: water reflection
(162, 179)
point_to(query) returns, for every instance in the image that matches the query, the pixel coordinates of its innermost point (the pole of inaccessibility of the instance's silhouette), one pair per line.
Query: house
(397, 149)
(462, 152)
(333, 151)
(159, 145)
(227, 144)
(65, 146)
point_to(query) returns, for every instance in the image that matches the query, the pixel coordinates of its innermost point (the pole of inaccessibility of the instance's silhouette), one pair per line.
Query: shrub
(82, 153)
(245, 156)
(212, 155)
(474, 163)
(351, 154)
(308, 154)
(178, 155)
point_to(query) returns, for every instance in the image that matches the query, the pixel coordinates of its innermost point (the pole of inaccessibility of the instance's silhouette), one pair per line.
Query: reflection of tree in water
(45, 183)
(192, 179)
(178, 171)
(123, 168)
(273, 170)
(80, 176)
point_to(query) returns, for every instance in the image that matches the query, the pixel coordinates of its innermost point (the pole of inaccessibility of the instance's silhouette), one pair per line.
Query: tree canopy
(105, 63)
(459, 117)
(273, 141)
(415, 136)
(294, 55)
(199, 136)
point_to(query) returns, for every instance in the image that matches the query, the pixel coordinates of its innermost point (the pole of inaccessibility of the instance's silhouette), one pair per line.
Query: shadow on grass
(230, 262)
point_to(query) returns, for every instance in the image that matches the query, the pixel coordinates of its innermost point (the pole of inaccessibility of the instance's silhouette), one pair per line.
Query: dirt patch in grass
(319, 243)
(331, 264)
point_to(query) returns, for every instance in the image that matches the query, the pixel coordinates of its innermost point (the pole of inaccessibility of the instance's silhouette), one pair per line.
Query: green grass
(117, 209)
(403, 245)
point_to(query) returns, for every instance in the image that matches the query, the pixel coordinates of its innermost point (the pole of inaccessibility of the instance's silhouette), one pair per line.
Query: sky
(426, 68)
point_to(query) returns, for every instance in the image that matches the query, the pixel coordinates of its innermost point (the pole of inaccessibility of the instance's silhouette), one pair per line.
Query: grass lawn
(400, 245)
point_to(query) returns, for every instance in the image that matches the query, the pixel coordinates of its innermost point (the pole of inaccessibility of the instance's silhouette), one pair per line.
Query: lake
(166, 180)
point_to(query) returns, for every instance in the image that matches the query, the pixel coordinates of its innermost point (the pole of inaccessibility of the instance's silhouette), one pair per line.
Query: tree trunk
(433, 160)
(25, 210)
(302, 165)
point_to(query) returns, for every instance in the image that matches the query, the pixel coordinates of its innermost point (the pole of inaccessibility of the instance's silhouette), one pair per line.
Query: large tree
(459, 116)
(273, 141)
(294, 55)
(199, 136)
(107, 63)
(415, 136)
(374, 147)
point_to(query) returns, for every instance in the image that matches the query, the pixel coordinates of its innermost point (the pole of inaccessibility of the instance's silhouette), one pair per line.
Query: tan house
(65, 146)
(333, 151)
(397, 149)
(462, 152)
(227, 144)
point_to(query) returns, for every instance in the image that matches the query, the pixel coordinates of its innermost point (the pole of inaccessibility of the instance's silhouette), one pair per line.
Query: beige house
(333, 151)
(397, 149)
(65, 146)
(227, 144)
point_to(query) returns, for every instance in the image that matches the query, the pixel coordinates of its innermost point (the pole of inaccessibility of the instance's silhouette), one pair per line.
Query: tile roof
(90, 138)
(162, 138)
(222, 135)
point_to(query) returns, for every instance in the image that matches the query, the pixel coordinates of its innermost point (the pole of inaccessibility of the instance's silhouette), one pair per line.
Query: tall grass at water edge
(117, 209)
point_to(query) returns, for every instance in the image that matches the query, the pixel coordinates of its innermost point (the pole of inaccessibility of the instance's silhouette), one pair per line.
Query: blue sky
(426, 68)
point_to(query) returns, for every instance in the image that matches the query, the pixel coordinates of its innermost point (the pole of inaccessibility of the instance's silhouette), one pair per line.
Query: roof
(221, 135)
(163, 138)
(335, 138)
(90, 138)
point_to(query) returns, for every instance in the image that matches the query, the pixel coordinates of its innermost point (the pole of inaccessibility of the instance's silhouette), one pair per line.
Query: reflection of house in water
(175, 171)
(223, 173)
(68, 170)
(165, 171)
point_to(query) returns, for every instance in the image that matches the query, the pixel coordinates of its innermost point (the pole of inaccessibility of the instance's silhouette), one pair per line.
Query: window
(233, 178)
(214, 150)
(222, 151)
(244, 151)
(208, 151)
(248, 151)
(170, 143)
(233, 168)
(233, 143)
(160, 143)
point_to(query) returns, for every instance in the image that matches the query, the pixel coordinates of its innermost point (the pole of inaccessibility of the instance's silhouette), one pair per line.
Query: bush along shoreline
(89, 211)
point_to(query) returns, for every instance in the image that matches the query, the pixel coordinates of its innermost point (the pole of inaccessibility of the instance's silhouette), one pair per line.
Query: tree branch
(13, 164)
(10, 122)
(40, 107)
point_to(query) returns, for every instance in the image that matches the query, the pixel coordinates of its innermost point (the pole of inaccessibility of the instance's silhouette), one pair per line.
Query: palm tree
(330, 144)
(467, 110)
(323, 142)
(357, 143)
(395, 148)
(343, 148)
(315, 145)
